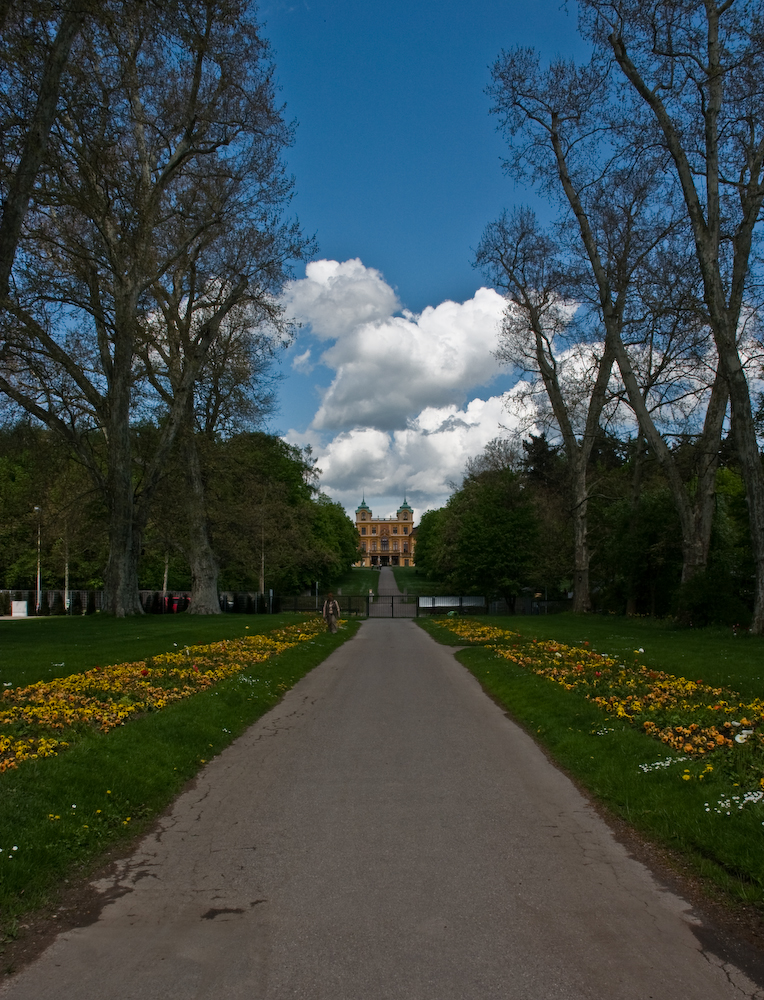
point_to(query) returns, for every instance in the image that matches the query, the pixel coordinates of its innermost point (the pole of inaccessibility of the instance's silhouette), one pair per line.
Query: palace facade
(386, 541)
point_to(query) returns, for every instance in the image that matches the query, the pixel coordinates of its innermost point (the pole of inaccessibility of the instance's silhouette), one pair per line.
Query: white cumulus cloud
(302, 362)
(335, 298)
(419, 461)
(401, 415)
(389, 367)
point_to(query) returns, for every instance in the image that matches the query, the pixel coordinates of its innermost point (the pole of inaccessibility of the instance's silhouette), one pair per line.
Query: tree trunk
(582, 554)
(121, 582)
(744, 434)
(121, 578)
(511, 601)
(697, 541)
(634, 495)
(204, 566)
(695, 514)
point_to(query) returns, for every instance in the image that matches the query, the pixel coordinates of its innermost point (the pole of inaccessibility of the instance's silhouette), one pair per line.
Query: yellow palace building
(386, 541)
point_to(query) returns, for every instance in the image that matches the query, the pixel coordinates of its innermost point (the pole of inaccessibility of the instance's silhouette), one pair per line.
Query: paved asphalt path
(385, 833)
(387, 585)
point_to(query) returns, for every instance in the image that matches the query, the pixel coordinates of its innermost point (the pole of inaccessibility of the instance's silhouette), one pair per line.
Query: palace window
(405, 529)
(374, 546)
(395, 530)
(363, 515)
(405, 546)
(363, 546)
(363, 529)
(405, 516)
(373, 531)
(385, 544)
(395, 545)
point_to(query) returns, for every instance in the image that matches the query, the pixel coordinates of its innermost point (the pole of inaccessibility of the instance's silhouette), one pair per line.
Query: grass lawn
(59, 814)
(707, 806)
(413, 581)
(357, 582)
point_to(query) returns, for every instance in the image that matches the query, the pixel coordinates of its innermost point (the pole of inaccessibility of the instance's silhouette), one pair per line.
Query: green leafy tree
(494, 531)
(429, 542)
(484, 540)
(269, 528)
(334, 540)
(37, 470)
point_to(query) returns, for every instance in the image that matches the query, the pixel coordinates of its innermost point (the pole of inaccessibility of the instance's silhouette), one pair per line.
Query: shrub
(708, 599)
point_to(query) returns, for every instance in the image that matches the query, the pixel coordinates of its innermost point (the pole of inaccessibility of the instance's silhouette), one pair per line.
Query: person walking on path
(331, 612)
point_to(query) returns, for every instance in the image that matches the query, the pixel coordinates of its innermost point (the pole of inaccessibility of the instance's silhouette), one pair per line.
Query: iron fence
(23, 603)
(392, 606)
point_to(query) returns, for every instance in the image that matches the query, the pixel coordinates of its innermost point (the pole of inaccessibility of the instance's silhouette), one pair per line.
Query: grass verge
(59, 815)
(684, 801)
(414, 582)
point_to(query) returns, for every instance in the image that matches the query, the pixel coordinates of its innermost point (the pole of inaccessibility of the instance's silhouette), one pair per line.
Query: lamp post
(39, 533)
(66, 570)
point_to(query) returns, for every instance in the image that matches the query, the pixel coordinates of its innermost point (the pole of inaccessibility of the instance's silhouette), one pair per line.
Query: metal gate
(392, 606)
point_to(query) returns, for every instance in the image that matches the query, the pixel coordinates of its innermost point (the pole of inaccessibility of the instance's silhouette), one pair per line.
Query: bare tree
(499, 454)
(693, 73)
(231, 388)
(624, 220)
(166, 152)
(519, 258)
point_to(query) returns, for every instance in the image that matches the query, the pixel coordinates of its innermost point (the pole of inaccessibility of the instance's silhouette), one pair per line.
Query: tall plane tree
(624, 218)
(693, 76)
(536, 340)
(231, 390)
(166, 148)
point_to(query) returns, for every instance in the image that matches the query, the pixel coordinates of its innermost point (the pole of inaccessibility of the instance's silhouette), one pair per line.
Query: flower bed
(35, 719)
(689, 716)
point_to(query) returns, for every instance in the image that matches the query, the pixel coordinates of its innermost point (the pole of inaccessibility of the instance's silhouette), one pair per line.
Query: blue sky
(398, 165)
